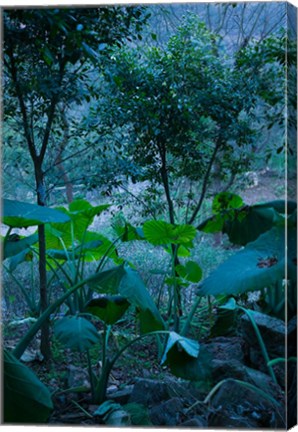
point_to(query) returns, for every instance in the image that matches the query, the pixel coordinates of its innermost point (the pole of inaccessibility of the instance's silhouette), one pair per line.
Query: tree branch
(205, 182)
(14, 76)
(165, 181)
(51, 115)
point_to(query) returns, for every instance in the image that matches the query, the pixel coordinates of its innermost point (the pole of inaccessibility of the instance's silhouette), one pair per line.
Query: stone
(149, 392)
(235, 405)
(196, 422)
(121, 396)
(167, 413)
(225, 348)
(265, 382)
(272, 329)
(222, 369)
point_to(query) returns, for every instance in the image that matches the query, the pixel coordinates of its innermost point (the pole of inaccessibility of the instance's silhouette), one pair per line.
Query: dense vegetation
(145, 211)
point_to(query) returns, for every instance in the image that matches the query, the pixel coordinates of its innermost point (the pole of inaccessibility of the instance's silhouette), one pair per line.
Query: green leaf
(13, 246)
(190, 346)
(90, 52)
(280, 206)
(260, 264)
(249, 224)
(127, 231)
(25, 255)
(226, 201)
(26, 398)
(231, 305)
(108, 281)
(81, 215)
(108, 308)
(106, 247)
(18, 214)
(76, 333)
(186, 358)
(191, 271)
(77, 252)
(245, 224)
(133, 289)
(225, 321)
(211, 225)
(159, 232)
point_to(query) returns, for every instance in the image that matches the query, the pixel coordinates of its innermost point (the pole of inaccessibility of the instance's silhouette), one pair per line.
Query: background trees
(45, 54)
(189, 111)
(185, 114)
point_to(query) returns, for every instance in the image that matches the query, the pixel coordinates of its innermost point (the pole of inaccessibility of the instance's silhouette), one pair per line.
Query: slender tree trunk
(45, 347)
(59, 162)
(165, 180)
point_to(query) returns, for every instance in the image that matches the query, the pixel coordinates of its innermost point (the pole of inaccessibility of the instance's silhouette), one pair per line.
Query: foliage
(182, 111)
(18, 214)
(244, 223)
(263, 261)
(76, 333)
(26, 399)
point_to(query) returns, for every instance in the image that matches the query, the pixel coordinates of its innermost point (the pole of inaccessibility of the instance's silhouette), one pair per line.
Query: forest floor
(68, 369)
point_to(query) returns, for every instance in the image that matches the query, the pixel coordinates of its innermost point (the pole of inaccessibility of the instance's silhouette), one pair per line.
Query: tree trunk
(59, 161)
(177, 289)
(45, 347)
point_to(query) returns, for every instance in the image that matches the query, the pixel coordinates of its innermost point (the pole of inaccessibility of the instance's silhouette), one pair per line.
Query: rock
(272, 329)
(77, 376)
(121, 396)
(196, 422)
(167, 413)
(149, 392)
(266, 383)
(222, 369)
(226, 419)
(224, 348)
(235, 405)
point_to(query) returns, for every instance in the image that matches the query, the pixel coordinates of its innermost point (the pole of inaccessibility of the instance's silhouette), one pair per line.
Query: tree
(186, 111)
(182, 109)
(45, 54)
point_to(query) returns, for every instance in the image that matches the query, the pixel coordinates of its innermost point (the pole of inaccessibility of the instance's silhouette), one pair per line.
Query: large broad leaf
(108, 281)
(58, 238)
(128, 284)
(127, 231)
(249, 224)
(25, 256)
(159, 232)
(186, 358)
(108, 308)
(26, 399)
(18, 214)
(191, 271)
(226, 320)
(76, 333)
(81, 214)
(14, 244)
(76, 253)
(225, 201)
(133, 289)
(260, 264)
(106, 248)
(245, 224)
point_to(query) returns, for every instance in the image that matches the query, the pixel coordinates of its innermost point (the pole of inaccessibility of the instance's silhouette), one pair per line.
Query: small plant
(119, 289)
